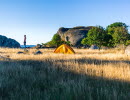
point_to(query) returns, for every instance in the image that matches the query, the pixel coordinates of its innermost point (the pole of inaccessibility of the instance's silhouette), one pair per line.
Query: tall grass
(86, 75)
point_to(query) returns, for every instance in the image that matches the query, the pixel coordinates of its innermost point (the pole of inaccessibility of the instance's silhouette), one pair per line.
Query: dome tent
(65, 49)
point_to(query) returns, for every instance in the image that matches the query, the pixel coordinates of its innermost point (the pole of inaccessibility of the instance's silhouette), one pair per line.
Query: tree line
(114, 34)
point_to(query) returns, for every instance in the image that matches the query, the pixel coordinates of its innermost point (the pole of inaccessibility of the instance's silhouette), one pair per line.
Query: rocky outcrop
(20, 52)
(37, 53)
(94, 47)
(8, 42)
(74, 35)
(127, 50)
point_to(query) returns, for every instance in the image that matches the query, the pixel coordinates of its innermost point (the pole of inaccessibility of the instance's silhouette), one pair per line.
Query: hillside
(8, 42)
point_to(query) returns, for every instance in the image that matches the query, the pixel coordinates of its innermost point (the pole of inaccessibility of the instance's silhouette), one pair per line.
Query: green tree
(67, 42)
(120, 35)
(127, 42)
(108, 40)
(84, 41)
(117, 24)
(111, 28)
(56, 40)
(96, 35)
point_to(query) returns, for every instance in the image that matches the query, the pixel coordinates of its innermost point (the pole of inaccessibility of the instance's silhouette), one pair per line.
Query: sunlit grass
(88, 74)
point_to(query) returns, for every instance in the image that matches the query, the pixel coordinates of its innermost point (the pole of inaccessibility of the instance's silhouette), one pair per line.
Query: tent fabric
(65, 49)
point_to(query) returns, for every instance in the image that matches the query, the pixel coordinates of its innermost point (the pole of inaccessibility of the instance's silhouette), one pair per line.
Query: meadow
(86, 75)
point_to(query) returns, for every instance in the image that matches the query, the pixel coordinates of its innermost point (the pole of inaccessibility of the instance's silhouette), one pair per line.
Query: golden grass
(68, 75)
(111, 64)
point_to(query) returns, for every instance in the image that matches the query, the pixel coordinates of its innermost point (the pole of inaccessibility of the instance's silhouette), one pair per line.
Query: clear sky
(40, 19)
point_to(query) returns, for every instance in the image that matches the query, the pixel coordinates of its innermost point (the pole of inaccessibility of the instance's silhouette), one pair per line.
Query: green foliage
(97, 36)
(50, 44)
(84, 41)
(120, 35)
(117, 24)
(56, 37)
(108, 40)
(111, 28)
(56, 41)
(67, 42)
(127, 42)
(115, 33)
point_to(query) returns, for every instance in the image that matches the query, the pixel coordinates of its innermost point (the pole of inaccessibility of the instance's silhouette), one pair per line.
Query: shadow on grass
(94, 61)
(46, 80)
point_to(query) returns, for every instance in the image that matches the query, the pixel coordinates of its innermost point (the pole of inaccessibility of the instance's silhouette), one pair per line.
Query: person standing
(24, 41)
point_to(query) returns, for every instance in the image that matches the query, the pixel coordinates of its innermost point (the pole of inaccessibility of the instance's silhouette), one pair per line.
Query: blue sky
(40, 19)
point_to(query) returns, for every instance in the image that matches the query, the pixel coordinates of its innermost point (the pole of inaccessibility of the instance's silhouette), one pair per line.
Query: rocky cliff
(8, 42)
(74, 35)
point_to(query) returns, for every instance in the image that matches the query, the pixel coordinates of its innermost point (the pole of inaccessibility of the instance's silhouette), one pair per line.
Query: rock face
(127, 50)
(94, 47)
(37, 52)
(20, 52)
(8, 42)
(74, 35)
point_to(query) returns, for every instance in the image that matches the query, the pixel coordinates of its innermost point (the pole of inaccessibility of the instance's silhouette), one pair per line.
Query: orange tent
(64, 49)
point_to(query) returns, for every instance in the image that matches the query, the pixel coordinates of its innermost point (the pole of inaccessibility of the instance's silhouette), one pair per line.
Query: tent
(94, 47)
(65, 49)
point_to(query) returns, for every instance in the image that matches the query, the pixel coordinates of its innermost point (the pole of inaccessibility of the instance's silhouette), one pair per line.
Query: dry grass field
(86, 75)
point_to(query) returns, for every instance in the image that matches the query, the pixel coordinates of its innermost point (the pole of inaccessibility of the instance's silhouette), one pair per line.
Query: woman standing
(24, 41)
